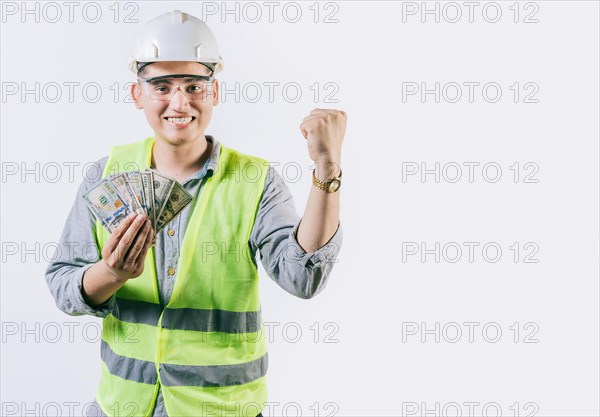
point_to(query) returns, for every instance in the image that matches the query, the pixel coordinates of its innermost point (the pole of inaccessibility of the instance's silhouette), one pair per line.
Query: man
(181, 325)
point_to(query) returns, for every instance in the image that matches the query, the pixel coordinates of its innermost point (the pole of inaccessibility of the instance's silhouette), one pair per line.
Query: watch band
(329, 186)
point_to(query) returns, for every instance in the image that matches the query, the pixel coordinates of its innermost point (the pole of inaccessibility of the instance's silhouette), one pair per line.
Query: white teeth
(179, 120)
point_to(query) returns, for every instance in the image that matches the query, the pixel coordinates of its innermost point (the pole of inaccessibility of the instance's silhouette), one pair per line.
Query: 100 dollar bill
(108, 206)
(144, 192)
(176, 202)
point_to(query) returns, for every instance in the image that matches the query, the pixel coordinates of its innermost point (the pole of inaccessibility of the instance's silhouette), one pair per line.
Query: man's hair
(143, 69)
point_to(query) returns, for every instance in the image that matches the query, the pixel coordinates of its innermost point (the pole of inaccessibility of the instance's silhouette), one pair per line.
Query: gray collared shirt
(273, 237)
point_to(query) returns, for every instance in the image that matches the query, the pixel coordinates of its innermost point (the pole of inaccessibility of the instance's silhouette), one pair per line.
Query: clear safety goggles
(194, 87)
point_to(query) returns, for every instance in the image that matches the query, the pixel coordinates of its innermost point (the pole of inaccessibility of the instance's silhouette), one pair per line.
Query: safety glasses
(194, 87)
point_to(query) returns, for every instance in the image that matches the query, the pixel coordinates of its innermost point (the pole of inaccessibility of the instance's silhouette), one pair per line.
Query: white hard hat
(176, 36)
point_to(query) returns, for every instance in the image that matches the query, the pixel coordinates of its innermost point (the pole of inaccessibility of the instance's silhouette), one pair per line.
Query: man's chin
(179, 138)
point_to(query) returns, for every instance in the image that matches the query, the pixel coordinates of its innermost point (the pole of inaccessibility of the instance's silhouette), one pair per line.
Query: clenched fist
(324, 131)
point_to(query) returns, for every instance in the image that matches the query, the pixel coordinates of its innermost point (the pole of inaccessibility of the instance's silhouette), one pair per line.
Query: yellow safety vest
(207, 347)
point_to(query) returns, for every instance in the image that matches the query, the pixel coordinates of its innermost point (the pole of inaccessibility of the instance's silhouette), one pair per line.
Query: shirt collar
(211, 163)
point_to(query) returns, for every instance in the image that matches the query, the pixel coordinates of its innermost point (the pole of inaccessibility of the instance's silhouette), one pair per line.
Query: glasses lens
(164, 89)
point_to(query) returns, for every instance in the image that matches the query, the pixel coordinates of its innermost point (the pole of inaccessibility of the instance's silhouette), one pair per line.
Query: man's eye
(195, 88)
(161, 89)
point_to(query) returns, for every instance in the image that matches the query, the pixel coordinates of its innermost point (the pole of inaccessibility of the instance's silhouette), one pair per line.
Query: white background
(372, 294)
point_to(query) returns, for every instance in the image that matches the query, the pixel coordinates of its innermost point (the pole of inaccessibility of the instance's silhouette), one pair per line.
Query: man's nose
(180, 101)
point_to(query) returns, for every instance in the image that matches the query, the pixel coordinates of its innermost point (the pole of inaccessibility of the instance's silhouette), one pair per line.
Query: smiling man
(182, 328)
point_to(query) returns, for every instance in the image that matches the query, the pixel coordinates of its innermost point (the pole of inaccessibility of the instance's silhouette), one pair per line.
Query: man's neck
(180, 161)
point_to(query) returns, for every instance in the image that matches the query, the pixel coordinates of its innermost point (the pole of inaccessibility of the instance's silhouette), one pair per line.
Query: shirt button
(171, 271)
(170, 232)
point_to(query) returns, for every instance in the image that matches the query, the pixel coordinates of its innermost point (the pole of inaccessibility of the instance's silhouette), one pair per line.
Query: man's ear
(216, 92)
(136, 92)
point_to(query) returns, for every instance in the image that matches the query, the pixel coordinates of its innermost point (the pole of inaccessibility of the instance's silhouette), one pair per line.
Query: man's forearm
(99, 284)
(322, 212)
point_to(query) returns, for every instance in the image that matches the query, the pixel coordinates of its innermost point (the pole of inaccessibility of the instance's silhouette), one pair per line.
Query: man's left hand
(324, 131)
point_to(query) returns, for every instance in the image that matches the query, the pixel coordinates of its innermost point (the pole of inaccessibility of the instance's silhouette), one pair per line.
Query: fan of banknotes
(147, 192)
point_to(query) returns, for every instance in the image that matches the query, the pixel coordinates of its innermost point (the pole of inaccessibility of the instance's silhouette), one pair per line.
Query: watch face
(334, 186)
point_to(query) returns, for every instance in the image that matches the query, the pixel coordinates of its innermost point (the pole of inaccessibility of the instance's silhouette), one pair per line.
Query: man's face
(180, 106)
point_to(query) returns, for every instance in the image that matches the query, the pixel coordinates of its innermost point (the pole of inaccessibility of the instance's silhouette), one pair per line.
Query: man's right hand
(124, 253)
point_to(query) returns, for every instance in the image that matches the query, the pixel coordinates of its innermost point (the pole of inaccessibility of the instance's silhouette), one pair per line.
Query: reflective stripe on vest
(144, 372)
(207, 348)
(200, 320)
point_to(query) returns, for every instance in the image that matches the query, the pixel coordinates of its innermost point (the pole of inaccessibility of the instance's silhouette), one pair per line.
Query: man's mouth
(180, 121)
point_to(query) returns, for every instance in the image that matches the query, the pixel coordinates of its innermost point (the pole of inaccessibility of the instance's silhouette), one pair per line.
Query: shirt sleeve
(274, 236)
(76, 252)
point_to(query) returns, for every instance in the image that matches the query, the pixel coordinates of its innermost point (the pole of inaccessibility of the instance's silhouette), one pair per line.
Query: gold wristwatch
(329, 186)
